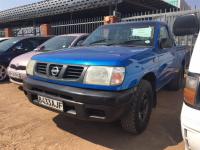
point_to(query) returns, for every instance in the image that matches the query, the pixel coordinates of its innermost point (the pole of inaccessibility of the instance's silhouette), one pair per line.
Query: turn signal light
(190, 91)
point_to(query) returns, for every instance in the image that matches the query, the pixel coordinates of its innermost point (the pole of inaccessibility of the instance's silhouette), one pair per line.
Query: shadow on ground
(5, 82)
(163, 130)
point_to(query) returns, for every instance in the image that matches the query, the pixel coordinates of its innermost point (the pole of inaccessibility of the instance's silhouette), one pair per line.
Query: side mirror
(165, 43)
(186, 25)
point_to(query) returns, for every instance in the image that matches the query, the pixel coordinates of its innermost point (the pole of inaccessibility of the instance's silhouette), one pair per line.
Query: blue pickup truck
(114, 75)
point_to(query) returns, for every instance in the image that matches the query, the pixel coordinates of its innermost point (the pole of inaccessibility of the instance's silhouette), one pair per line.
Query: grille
(54, 70)
(41, 68)
(60, 72)
(73, 72)
(18, 67)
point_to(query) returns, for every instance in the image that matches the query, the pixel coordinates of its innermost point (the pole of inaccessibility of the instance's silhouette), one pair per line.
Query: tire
(178, 82)
(137, 117)
(3, 73)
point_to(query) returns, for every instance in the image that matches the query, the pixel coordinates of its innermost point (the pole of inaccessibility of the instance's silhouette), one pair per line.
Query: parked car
(3, 39)
(190, 120)
(114, 76)
(17, 67)
(16, 46)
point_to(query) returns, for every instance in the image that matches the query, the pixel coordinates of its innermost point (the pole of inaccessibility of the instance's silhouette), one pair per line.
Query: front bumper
(16, 76)
(190, 124)
(85, 104)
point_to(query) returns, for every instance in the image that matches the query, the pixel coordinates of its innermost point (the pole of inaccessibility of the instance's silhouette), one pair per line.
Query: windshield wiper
(130, 41)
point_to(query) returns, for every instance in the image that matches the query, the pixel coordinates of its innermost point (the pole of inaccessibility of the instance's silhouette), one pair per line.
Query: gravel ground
(24, 126)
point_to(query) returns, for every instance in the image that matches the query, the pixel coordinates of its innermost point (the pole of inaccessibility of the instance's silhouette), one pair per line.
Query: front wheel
(3, 73)
(137, 118)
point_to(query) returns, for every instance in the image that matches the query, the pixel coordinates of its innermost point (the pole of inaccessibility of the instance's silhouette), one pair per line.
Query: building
(52, 11)
(179, 3)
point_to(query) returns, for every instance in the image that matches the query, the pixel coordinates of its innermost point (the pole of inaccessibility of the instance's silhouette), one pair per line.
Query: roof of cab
(150, 22)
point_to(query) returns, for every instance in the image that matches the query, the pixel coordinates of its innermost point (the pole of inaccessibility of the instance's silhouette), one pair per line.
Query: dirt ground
(24, 126)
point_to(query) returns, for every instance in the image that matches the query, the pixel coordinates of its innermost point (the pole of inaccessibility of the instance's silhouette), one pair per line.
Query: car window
(122, 34)
(56, 43)
(164, 34)
(41, 40)
(80, 41)
(5, 45)
(36, 42)
(25, 45)
(3, 40)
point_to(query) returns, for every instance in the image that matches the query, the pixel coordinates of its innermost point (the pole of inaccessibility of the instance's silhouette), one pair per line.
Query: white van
(190, 116)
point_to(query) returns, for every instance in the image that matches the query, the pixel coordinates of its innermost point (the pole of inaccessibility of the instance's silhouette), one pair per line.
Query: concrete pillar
(45, 30)
(110, 19)
(8, 32)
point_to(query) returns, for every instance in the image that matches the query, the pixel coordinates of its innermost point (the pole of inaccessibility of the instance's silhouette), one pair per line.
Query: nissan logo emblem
(55, 71)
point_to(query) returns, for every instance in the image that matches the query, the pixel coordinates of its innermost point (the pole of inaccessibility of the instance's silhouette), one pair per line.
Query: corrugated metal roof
(55, 7)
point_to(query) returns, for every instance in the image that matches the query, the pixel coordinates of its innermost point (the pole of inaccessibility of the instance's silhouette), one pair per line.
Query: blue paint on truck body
(138, 61)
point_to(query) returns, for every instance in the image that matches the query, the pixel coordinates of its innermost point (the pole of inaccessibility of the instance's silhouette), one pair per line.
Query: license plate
(54, 104)
(15, 75)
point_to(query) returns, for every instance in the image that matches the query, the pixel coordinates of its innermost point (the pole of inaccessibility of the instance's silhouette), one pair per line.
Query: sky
(6, 4)
(193, 3)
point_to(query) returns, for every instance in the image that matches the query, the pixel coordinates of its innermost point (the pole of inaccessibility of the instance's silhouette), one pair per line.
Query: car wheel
(136, 119)
(178, 82)
(3, 73)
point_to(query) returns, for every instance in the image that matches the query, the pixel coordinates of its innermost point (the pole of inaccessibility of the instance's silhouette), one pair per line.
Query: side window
(18, 47)
(40, 41)
(27, 45)
(163, 33)
(165, 40)
(80, 41)
(34, 43)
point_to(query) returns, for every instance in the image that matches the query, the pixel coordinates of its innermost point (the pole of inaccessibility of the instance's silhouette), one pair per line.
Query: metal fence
(89, 24)
(76, 26)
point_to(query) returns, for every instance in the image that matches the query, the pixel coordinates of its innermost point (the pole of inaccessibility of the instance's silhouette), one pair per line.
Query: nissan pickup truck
(114, 76)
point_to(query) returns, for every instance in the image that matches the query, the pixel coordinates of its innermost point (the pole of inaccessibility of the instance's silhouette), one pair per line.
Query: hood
(23, 59)
(99, 56)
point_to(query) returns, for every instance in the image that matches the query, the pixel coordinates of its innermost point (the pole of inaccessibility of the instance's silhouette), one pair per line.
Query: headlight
(191, 96)
(99, 75)
(30, 67)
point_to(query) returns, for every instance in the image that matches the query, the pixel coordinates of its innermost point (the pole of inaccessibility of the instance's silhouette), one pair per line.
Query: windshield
(5, 45)
(122, 34)
(56, 43)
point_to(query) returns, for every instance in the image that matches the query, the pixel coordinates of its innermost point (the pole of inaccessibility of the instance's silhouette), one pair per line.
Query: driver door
(166, 57)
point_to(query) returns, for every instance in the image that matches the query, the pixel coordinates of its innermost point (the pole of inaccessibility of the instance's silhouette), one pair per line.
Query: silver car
(17, 68)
